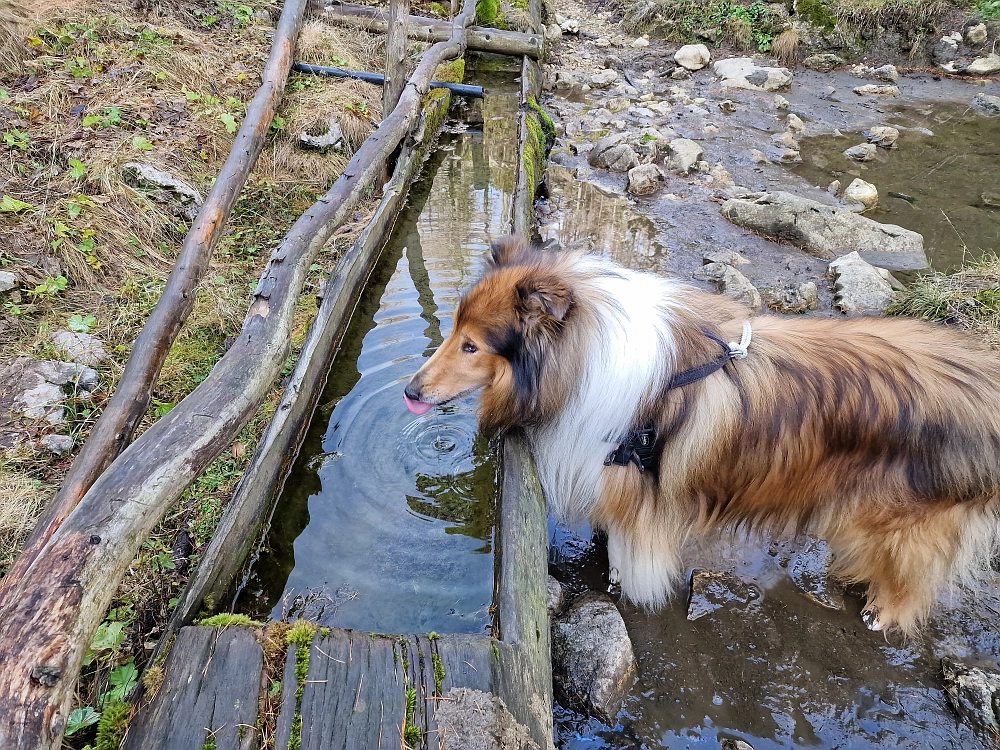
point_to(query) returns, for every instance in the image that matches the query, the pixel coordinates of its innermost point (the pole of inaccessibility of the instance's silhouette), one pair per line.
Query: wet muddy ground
(767, 663)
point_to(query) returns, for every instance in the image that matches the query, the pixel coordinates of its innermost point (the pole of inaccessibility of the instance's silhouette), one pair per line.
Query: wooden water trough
(213, 684)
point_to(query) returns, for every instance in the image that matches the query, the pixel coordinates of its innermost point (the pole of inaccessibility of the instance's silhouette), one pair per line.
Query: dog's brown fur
(881, 434)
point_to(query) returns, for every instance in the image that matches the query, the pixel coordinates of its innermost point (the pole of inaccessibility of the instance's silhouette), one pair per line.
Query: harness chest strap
(638, 447)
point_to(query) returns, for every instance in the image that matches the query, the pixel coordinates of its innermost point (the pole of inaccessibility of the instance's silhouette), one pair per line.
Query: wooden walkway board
(210, 689)
(354, 695)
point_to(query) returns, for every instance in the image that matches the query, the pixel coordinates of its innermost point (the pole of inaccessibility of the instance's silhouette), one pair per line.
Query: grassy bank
(86, 87)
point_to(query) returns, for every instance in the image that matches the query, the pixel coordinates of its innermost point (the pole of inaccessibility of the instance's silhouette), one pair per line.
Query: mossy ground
(85, 86)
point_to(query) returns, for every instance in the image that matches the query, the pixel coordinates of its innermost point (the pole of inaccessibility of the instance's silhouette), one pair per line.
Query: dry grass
(21, 499)
(969, 298)
(785, 47)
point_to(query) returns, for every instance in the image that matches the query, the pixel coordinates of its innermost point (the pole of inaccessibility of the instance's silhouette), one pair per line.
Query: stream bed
(386, 521)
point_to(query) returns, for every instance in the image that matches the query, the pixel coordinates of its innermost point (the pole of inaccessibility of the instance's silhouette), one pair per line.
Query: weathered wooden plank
(210, 690)
(395, 53)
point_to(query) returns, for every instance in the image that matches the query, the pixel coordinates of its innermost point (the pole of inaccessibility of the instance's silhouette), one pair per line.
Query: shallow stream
(386, 521)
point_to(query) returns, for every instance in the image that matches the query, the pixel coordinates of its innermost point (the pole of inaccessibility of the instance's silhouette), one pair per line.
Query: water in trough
(386, 521)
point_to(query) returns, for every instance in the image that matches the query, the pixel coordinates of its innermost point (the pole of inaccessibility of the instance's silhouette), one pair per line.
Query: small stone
(882, 135)
(570, 26)
(785, 140)
(553, 31)
(863, 193)
(602, 42)
(593, 662)
(758, 156)
(794, 123)
(823, 63)
(810, 571)
(554, 597)
(727, 105)
(733, 283)
(614, 62)
(645, 179)
(611, 152)
(861, 152)
(8, 281)
(680, 74)
(833, 188)
(945, 50)
(727, 257)
(744, 73)
(712, 590)
(987, 104)
(984, 66)
(332, 138)
(780, 155)
(859, 286)
(604, 78)
(990, 199)
(886, 73)
(641, 42)
(974, 693)
(976, 34)
(684, 154)
(188, 198)
(780, 102)
(617, 104)
(793, 298)
(58, 444)
(730, 744)
(873, 89)
(693, 56)
(84, 348)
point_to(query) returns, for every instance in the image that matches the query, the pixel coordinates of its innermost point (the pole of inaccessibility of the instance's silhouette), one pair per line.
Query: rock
(945, 50)
(592, 658)
(976, 34)
(641, 42)
(732, 283)
(827, 94)
(974, 693)
(743, 73)
(475, 720)
(987, 103)
(712, 590)
(861, 152)
(990, 199)
(604, 78)
(611, 152)
(874, 89)
(780, 102)
(823, 63)
(794, 298)
(827, 231)
(794, 123)
(809, 569)
(553, 31)
(680, 74)
(332, 138)
(859, 286)
(984, 66)
(569, 26)
(887, 73)
(727, 257)
(58, 444)
(34, 390)
(614, 62)
(693, 56)
(554, 597)
(173, 189)
(68, 374)
(758, 156)
(617, 104)
(8, 281)
(84, 348)
(727, 105)
(731, 744)
(780, 155)
(645, 179)
(785, 140)
(684, 155)
(863, 193)
(882, 135)
(602, 42)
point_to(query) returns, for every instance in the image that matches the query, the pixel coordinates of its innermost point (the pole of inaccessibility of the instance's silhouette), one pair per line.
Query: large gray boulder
(692, 56)
(592, 659)
(684, 155)
(860, 287)
(984, 66)
(744, 73)
(828, 231)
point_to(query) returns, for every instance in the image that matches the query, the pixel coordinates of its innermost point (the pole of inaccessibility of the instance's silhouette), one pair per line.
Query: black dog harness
(638, 446)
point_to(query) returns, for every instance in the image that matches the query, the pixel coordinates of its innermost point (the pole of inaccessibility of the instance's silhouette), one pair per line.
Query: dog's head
(502, 327)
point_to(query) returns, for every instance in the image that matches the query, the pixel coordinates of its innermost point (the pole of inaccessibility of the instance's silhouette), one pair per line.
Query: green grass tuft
(226, 620)
(111, 728)
(439, 673)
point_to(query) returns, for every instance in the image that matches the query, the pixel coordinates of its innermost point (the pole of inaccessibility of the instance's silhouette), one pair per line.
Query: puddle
(386, 521)
(946, 158)
(764, 662)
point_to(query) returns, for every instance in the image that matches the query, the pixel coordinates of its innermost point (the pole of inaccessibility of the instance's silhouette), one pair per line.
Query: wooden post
(395, 54)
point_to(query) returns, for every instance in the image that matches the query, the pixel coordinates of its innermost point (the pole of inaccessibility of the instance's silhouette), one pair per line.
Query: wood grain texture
(395, 53)
(210, 690)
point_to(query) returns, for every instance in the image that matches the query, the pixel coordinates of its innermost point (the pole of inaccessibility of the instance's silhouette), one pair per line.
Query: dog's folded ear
(544, 300)
(506, 250)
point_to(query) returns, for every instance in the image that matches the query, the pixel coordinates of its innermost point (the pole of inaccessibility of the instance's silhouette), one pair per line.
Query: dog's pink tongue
(417, 407)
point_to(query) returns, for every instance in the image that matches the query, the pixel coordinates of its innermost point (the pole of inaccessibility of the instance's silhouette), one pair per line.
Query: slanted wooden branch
(428, 30)
(114, 430)
(51, 613)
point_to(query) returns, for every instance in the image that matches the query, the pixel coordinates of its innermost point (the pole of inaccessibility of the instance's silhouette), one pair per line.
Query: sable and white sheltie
(880, 434)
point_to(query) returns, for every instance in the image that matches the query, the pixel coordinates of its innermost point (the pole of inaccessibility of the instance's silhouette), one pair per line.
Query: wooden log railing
(51, 613)
(130, 400)
(423, 29)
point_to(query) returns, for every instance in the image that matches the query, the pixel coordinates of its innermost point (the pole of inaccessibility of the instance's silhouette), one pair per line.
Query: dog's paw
(871, 620)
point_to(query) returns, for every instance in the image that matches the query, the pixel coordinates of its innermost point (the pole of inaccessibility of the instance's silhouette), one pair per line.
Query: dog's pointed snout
(412, 390)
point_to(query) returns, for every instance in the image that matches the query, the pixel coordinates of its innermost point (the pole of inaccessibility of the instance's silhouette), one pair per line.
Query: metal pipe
(378, 79)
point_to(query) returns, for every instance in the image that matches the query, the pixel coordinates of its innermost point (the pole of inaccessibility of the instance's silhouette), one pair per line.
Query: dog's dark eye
(469, 348)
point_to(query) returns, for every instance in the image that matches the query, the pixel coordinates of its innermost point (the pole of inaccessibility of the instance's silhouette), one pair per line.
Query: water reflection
(386, 521)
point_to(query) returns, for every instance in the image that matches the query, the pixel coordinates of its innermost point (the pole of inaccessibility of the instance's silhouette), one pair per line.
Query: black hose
(378, 79)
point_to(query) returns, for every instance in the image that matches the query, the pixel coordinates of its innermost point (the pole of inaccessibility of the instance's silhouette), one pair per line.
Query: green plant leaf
(83, 324)
(123, 679)
(230, 122)
(13, 205)
(77, 169)
(109, 635)
(139, 143)
(81, 718)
